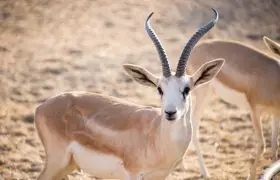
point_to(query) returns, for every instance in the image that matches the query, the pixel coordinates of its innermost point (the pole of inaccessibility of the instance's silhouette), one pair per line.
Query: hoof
(205, 176)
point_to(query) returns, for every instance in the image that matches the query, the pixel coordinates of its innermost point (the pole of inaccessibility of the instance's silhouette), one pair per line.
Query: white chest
(109, 167)
(180, 140)
(97, 164)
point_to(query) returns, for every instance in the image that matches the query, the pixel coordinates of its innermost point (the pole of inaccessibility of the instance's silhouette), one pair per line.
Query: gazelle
(249, 78)
(111, 138)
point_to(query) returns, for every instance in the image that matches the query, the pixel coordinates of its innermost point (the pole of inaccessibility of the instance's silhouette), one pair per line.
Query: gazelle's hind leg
(274, 136)
(257, 125)
(67, 170)
(58, 161)
(58, 164)
(200, 99)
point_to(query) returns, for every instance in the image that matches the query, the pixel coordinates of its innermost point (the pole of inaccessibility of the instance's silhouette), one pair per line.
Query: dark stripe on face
(186, 92)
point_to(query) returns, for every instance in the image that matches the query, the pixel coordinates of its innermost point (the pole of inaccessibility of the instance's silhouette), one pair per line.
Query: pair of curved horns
(180, 71)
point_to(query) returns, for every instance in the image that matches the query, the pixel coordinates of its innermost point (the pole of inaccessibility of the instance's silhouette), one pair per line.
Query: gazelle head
(174, 88)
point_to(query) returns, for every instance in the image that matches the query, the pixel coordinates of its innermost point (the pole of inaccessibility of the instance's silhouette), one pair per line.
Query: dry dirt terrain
(51, 46)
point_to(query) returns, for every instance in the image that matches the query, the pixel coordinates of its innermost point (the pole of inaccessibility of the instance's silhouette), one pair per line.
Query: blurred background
(51, 46)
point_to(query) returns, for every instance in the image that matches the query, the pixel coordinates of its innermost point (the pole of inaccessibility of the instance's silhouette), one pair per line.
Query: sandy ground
(47, 47)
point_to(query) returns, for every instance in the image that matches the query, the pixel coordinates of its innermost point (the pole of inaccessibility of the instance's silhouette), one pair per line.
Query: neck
(177, 134)
(170, 141)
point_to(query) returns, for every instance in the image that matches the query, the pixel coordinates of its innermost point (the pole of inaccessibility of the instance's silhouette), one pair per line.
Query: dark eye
(160, 91)
(186, 92)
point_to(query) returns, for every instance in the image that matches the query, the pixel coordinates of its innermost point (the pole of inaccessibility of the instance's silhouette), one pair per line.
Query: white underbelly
(97, 164)
(231, 96)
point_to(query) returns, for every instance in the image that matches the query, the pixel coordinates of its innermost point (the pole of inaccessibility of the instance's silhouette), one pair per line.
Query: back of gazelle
(249, 79)
(245, 68)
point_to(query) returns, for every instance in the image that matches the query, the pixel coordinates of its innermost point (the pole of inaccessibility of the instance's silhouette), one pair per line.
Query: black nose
(170, 113)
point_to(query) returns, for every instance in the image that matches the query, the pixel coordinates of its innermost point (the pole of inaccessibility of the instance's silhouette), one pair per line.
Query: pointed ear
(272, 45)
(141, 75)
(207, 72)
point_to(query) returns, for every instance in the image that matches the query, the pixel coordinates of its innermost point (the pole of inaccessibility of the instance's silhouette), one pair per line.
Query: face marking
(160, 90)
(186, 91)
(173, 91)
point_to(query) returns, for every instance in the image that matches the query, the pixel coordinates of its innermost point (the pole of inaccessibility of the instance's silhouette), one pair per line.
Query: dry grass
(52, 46)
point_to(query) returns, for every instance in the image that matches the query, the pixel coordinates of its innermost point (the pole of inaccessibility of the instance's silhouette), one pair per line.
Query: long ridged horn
(181, 67)
(163, 57)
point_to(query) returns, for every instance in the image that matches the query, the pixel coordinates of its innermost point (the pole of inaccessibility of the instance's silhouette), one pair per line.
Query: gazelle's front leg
(256, 120)
(274, 136)
(201, 99)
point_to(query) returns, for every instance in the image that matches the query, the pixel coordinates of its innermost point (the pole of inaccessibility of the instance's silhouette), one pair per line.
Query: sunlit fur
(111, 138)
(250, 78)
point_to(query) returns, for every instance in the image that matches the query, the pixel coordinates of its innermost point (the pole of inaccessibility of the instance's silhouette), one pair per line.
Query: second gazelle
(249, 79)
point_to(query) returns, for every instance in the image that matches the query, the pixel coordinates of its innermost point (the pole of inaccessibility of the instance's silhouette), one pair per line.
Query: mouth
(170, 118)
